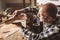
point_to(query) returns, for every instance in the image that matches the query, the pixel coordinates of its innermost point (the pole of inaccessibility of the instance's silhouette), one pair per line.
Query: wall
(16, 1)
(1, 5)
(46, 1)
(16, 4)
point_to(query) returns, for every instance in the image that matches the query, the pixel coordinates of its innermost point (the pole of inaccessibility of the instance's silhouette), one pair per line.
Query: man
(47, 15)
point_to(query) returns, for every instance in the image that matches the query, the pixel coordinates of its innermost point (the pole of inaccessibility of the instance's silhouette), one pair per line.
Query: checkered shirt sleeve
(48, 32)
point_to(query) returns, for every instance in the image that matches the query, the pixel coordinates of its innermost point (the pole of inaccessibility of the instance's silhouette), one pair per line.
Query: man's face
(43, 17)
(41, 14)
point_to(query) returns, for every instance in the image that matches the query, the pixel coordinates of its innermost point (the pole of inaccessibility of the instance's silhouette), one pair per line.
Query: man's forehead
(41, 10)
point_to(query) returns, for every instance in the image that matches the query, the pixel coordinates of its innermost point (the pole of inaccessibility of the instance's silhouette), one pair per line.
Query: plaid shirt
(46, 33)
